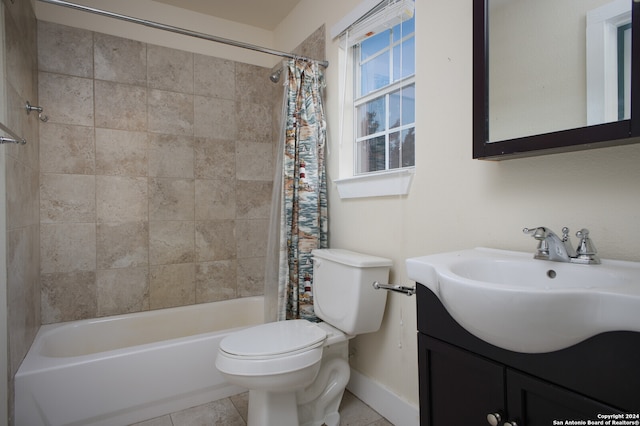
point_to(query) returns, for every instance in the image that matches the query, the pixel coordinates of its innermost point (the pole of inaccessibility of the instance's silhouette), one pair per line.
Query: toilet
(297, 370)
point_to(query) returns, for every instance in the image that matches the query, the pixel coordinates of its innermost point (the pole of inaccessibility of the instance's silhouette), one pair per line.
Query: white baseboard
(386, 403)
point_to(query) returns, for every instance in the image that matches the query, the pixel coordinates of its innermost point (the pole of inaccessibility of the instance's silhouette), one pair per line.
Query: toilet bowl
(279, 356)
(297, 370)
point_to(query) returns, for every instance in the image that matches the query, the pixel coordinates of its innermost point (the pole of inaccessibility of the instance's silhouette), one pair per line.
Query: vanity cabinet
(463, 379)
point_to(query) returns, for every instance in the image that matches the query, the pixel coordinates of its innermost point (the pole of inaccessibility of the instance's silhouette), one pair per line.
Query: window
(384, 100)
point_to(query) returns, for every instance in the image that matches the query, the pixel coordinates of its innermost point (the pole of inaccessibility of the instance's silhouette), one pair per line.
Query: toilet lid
(273, 338)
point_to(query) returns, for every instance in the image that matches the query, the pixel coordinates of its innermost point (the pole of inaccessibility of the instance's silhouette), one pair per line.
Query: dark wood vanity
(464, 379)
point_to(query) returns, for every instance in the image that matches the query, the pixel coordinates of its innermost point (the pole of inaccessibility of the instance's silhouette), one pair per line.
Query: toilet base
(271, 408)
(319, 402)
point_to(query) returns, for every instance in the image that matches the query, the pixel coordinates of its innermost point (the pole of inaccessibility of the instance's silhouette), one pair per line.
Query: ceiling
(266, 14)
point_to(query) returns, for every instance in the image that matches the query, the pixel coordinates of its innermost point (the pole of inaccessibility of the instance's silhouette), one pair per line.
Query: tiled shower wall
(19, 164)
(156, 169)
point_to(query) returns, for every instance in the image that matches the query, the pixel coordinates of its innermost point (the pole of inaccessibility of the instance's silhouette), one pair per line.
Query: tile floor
(233, 412)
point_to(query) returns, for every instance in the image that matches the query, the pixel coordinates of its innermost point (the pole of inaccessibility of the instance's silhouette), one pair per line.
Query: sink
(518, 303)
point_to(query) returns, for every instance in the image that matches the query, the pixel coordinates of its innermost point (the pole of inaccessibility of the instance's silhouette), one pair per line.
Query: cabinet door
(456, 386)
(532, 402)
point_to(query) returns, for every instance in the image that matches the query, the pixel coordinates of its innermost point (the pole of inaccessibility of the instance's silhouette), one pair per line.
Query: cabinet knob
(494, 419)
(510, 423)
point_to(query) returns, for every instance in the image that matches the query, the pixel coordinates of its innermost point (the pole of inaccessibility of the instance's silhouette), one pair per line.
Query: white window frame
(389, 182)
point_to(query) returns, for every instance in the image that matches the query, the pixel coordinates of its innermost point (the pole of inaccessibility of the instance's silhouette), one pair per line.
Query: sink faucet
(552, 247)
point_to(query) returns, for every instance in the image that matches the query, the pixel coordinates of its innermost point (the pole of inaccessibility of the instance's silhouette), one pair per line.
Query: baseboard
(388, 404)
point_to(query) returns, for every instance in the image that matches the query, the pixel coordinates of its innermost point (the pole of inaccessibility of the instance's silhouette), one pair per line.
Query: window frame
(386, 91)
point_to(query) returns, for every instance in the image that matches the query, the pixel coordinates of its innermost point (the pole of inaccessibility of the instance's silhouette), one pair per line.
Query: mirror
(554, 75)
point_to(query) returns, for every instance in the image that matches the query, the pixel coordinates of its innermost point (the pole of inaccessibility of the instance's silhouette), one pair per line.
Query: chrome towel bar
(13, 139)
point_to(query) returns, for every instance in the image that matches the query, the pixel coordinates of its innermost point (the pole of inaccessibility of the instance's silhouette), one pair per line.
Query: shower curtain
(299, 206)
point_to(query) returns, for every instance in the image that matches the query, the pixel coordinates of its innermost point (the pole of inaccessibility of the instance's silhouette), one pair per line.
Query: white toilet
(296, 371)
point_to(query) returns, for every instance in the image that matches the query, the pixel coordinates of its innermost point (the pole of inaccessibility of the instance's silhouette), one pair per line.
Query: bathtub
(124, 369)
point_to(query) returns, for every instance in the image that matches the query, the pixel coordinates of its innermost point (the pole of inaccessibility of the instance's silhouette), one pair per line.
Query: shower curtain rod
(183, 31)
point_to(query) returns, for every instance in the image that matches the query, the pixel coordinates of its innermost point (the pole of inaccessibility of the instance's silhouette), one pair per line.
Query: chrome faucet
(552, 247)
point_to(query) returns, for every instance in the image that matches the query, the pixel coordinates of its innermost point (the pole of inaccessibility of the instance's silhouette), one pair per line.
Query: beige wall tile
(170, 69)
(216, 281)
(171, 199)
(67, 198)
(215, 240)
(171, 156)
(120, 60)
(254, 121)
(215, 118)
(19, 62)
(251, 237)
(121, 199)
(215, 199)
(68, 296)
(253, 84)
(65, 50)
(122, 245)
(256, 161)
(214, 77)
(120, 106)
(66, 99)
(171, 113)
(251, 276)
(67, 149)
(216, 158)
(67, 247)
(121, 152)
(121, 291)
(171, 285)
(253, 199)
(171, 242)
(22, 196)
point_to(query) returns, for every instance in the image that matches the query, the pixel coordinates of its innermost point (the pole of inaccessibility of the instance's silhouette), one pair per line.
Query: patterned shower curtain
(303, 215)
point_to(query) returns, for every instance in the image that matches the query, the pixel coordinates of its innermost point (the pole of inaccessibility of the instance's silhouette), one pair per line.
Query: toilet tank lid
(351, 258)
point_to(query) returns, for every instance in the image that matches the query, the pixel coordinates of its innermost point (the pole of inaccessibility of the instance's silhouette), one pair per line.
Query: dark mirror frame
(597, 136)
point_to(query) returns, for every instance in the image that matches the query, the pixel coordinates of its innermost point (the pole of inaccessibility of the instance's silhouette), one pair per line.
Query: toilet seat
(272, 348)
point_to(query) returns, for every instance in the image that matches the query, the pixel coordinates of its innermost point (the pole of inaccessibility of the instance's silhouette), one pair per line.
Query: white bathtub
(127, 368)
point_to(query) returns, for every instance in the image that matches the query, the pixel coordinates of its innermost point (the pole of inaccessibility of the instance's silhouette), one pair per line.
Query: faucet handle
(565, 234)
(586, 251)
(539, 233)
(585, 246)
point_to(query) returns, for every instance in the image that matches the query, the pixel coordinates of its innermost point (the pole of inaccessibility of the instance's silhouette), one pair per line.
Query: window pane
(371, 155)
(371, 117)
(404, 59)
(394, 150)
(374, 74)
(404, 29)
(373, 45)
(409, 147)
(406, 95)
(402, 145)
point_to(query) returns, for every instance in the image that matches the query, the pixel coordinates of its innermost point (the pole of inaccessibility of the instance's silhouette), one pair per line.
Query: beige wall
(456, 202)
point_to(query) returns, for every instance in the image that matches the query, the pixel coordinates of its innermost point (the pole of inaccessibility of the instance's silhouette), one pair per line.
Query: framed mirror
(554, 76)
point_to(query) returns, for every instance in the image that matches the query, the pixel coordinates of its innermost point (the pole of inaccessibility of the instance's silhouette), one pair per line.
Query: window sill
(396, 182)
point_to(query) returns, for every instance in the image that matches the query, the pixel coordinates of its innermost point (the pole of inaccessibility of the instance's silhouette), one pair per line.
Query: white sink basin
(515, 302)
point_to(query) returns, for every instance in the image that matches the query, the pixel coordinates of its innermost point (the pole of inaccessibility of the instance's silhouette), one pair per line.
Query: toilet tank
(343, 293)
